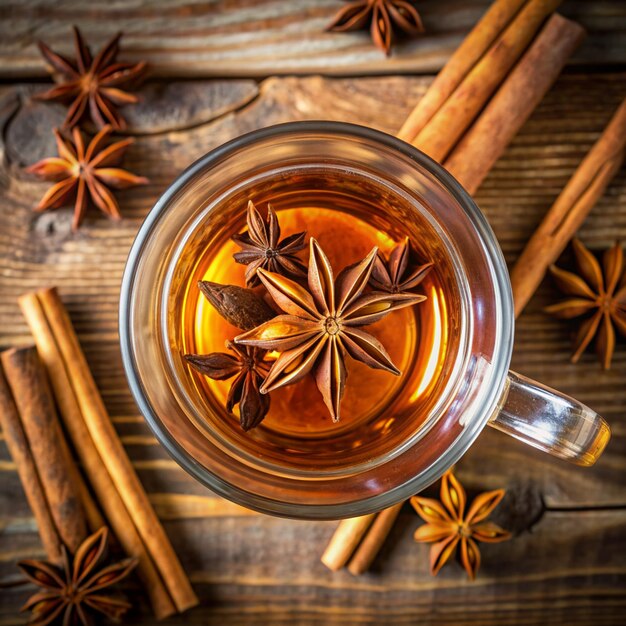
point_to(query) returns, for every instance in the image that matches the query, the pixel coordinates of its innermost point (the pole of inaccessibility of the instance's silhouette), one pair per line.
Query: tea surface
(378, 408)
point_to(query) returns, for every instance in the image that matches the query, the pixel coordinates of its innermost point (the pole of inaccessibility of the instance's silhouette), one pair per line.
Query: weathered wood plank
(570, 569)
(265, 37)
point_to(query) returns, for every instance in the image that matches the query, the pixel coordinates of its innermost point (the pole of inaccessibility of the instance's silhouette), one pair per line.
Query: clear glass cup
(477, 389)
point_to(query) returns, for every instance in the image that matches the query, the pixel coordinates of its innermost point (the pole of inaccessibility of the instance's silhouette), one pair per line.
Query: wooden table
(567, 562)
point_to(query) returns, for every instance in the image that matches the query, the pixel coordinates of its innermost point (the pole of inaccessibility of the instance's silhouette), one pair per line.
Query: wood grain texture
(569, 568)
(265, 37)
(535, 579)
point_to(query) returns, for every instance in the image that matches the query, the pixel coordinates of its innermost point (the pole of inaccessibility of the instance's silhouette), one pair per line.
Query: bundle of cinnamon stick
(59, 497)
(466, 119)
(491, 85)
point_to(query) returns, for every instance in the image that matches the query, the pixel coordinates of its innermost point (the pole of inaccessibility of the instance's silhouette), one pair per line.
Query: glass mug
(317, 478)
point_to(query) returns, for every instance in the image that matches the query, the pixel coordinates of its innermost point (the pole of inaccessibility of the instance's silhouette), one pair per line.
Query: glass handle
(551, 421)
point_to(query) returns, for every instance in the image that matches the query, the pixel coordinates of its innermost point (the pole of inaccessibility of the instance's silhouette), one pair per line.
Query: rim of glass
(503, 342)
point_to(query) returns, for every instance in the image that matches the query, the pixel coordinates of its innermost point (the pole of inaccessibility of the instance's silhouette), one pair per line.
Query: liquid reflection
(435, 337)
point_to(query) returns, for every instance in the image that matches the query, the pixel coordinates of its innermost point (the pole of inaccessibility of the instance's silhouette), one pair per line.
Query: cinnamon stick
(113, 454)
(570, 209)
(515, 100)
(374, 539)
(29, 385)
(20, 452)
(345, 539)
(113, 506)
(465, 57)
(448, 124)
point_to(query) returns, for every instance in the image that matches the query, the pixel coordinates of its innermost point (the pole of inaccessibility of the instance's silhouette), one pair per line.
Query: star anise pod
(243, 308)
(392, 276)
(82, 174)
(599, 293)
(382, 16)
(250, 369)
(74, 592)
(448, 525)
(92, 84)
(261, 247)
(322, 324)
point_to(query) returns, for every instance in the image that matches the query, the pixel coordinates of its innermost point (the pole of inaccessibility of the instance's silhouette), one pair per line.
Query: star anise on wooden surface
(322, 323)
(91, 85)
(82, 174)
(382, 16)
(599, 293)
(71, 594)
(391, 274)
(261, 247)
(248, 365)
(448, 525)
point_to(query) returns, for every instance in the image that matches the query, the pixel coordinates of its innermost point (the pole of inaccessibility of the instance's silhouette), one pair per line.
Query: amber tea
(348, 216)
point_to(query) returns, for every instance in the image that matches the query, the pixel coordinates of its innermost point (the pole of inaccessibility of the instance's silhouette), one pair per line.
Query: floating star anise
(321, 325)
(71, 594)
(82, 174)
(391, 275)
(448, 524)
(600, 294)
(92, 85)
(381, 16)
(261, 247)
(250, 369)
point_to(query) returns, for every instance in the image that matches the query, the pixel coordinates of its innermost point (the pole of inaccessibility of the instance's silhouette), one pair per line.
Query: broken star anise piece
(448, 525)
(91, 85)
(261, 247)
(382, 16)
(599, 293)
(83, 173)
(322, 323)
(250, 369)
(392, 276)
(71, 594)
